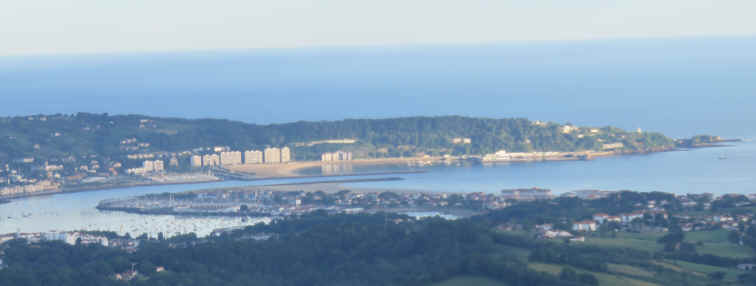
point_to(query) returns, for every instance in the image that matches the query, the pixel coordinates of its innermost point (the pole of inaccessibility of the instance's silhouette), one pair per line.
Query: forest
(319, 249)
(81, 134)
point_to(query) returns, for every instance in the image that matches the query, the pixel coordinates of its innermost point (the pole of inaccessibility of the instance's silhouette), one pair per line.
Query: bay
(76, 211)
(718, 170)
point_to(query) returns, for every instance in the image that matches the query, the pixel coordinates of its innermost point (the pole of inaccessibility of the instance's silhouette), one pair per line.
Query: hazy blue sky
(97, 26)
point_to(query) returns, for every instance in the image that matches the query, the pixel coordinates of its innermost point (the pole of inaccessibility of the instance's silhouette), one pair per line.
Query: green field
(645, 242)
(604, 279)
(630, 270)
(700, 269)
(716, 243)
(521, 254)
(713, 242)
(470, 281)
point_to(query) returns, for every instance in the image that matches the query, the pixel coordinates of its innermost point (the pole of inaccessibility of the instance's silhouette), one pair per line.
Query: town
(282, 201)
(717, 224)
(136, 164)
(691, 212)
(96, 151)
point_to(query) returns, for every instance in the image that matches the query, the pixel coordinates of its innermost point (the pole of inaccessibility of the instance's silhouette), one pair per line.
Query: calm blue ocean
(680, 87)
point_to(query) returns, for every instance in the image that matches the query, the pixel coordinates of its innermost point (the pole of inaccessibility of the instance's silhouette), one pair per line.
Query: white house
(586, 225)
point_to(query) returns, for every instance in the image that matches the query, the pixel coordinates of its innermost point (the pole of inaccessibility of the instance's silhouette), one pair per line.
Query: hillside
(51, 136)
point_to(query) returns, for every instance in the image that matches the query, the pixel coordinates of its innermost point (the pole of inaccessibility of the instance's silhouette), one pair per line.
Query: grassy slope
(469, 281)
(716, 243)
(645, 242)
(630, 270)
(700, 270)
(604, 279)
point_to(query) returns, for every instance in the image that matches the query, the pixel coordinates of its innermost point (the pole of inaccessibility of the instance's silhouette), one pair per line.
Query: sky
(32, 27)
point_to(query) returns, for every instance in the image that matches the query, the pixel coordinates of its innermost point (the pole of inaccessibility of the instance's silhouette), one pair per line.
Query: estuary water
(76, 211)
(718, 170)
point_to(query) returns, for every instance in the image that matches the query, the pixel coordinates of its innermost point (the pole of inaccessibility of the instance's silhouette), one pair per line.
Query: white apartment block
(253, 157)
(231, 158)
(285, 154)
(336, 156)
(210, 160)
(272, 155)
(148, 167)
(196, 161)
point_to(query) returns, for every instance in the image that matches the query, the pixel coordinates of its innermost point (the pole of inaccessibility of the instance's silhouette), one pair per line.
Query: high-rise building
(173, 162)
(272, 155)
(196, 161)
(253, 157)
(285, 154)
(336, 156)
(210, 160)
(231, 158)
(158, 165)
(148, 167)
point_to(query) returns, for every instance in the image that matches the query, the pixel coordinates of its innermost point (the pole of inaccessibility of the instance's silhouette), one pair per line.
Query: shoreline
(72, 190)
(329, 187)
(291, 170)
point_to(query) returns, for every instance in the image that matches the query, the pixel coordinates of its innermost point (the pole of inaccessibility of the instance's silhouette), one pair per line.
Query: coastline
(71, 190)
(292, 170)
(329, 187)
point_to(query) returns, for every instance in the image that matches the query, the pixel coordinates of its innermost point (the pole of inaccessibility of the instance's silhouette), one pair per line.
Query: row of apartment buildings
(230, 158)
(37, 187)
(336, 156)
(148, 166)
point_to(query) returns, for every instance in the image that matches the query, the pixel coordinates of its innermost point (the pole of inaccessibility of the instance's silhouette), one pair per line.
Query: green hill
(48, 136)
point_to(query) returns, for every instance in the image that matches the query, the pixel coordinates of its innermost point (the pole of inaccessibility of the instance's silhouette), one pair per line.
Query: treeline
(85, 133)
(560, 211)
(322, 249)
(317, 249)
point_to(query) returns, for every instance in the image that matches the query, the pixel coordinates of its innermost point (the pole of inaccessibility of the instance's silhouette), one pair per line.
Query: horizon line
(334, 47)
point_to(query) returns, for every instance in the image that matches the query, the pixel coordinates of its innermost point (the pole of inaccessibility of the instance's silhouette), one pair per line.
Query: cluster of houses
(713, 221)
(260, 201)
(624, 219)
(71, 238)
(532, 194)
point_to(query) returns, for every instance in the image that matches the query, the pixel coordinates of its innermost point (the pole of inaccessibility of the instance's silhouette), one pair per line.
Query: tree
(718, 275)
(588, 279)
(568, 274)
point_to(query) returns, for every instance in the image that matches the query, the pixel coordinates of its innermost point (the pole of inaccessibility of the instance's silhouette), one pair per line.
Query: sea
(680, 87)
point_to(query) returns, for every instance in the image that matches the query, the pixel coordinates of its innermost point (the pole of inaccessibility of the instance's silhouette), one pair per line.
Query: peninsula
(44, 154)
